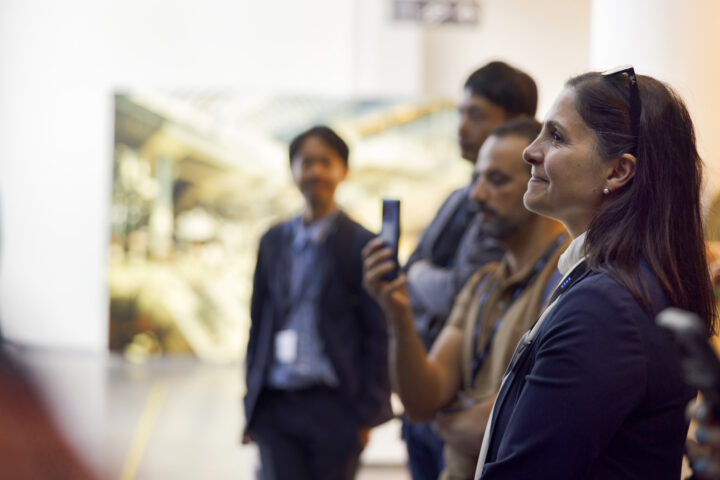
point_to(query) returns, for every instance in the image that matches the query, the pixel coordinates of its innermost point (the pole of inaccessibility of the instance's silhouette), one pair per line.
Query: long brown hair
(656, 216)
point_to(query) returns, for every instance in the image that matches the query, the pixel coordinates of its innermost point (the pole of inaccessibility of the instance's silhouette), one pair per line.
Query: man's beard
(499, 228)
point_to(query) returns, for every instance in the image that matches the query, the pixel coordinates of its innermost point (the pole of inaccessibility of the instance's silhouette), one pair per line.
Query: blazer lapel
(281, 272)
(328, 260)
(437, 228)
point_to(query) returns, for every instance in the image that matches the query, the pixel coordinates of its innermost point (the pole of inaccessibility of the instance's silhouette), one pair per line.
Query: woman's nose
(532, 154)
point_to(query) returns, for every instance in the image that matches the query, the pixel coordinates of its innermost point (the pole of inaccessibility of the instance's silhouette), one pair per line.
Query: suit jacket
(598, 394)
(433, 288)
(350, 323)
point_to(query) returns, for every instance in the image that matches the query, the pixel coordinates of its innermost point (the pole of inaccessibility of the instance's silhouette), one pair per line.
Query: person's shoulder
(484, 276)
(464, 190)
(454, 200)
(596, 282)
(347, 224)
(276, 231)
(599, 290)
(458, 196)
(595, 315)
(602, 286)
(601, 304)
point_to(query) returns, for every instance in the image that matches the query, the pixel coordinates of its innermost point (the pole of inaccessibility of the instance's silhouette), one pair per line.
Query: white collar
(574, 254)
(571, 258)
(315, 233)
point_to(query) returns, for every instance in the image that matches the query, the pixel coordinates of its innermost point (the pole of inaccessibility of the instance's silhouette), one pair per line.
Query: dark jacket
(599, 393)
(351, 324)
(455, 249)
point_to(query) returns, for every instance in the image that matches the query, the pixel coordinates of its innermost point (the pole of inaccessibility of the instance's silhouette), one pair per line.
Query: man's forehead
(314, 147)
(501, 153)
(473, 100)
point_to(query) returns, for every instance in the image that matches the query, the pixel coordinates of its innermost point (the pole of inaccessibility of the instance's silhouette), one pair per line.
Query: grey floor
(174, 418)
(169, 418)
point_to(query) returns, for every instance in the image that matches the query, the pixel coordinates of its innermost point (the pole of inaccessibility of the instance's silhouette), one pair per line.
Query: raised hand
(391, 295)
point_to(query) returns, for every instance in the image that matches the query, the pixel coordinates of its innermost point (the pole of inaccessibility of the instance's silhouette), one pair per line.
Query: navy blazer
(350, 323)
(599, 393)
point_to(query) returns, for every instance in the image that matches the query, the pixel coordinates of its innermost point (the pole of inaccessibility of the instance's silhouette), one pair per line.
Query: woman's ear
(623, 170)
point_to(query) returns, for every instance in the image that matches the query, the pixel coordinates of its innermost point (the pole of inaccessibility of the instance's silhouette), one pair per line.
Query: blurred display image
(197, 178)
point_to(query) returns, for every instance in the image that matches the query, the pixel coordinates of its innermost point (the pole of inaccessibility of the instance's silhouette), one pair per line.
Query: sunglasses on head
(629, 71)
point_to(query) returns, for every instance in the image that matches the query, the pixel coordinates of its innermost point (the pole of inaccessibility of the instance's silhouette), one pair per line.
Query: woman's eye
(557, 138)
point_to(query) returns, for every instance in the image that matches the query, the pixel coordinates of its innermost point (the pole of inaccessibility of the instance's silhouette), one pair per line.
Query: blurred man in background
(453, 246)
(456, 384)
(317, 355)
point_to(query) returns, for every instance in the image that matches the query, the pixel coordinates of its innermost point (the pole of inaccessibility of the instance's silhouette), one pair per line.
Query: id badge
(286, 345)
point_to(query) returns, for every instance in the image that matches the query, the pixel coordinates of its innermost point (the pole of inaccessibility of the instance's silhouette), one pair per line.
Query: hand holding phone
(390, 232)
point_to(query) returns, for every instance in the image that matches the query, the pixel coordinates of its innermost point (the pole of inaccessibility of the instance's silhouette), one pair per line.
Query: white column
(55, 173)
(676, 41)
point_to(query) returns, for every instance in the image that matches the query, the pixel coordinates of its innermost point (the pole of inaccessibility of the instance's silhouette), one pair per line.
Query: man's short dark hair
(512, 89)
(327, 135)
(526, 127)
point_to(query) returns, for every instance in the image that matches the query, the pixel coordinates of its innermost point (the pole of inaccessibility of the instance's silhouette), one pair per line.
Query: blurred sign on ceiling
(465, 12)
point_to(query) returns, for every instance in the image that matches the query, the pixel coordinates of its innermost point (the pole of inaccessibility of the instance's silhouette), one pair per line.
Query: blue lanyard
(479, 357)
(573, 277)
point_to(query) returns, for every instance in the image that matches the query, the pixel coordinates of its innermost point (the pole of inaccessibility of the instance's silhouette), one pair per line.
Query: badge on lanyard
(286, 346)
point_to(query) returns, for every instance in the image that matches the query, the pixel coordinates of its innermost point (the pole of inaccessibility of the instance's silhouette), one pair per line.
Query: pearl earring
(606, 191)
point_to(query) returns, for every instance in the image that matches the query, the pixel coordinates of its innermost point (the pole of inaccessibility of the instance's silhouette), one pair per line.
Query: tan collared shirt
(499, 287)
(571, 258)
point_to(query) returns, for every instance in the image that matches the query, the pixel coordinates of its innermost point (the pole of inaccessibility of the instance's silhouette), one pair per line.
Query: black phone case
(391, 232)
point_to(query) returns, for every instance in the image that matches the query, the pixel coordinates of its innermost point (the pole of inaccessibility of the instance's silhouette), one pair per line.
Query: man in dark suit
(317, 355)
(452, 247)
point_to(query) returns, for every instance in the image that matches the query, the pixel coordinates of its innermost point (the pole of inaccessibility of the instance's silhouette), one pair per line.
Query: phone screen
(390, 231)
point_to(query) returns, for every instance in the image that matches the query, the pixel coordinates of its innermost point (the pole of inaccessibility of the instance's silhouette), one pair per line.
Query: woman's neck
(520, 251)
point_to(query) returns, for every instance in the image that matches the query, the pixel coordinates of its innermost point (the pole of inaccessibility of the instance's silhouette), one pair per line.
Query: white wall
(679, 43)
(388, 57)
(55, 119)
(547, 39)
(60, 63)
(211, 44)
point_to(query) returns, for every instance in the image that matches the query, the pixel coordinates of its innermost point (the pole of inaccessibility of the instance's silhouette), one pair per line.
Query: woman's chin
(532, 201)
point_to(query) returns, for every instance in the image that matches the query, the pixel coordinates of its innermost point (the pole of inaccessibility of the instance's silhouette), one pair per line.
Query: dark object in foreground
(700, 364)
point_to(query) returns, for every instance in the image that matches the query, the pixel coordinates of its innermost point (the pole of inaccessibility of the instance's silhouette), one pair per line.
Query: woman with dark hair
(595, 389)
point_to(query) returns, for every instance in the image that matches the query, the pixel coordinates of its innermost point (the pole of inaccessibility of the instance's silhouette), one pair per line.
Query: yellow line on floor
(144, 429)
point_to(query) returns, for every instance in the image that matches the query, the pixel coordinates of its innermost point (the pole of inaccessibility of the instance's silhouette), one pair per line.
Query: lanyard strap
(576, 274)
(480, 356)
(573, 277)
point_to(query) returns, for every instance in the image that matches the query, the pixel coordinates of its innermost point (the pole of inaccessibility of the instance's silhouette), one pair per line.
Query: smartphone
(700, 364)
(390, 232)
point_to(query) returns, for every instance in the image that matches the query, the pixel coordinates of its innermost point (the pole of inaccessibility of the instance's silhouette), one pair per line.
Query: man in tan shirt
(456, 383)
